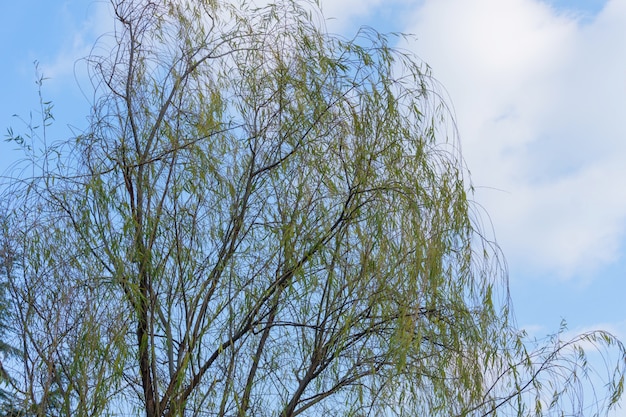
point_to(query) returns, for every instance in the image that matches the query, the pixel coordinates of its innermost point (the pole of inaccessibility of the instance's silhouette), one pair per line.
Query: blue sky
(539, 91)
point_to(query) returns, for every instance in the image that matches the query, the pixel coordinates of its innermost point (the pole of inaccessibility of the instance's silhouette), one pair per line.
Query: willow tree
(262, 219)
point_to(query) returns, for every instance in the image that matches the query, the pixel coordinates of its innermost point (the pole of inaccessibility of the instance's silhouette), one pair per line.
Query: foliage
(263, 219)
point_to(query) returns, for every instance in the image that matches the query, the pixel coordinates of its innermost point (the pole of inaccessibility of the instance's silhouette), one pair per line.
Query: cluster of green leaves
(262, 219)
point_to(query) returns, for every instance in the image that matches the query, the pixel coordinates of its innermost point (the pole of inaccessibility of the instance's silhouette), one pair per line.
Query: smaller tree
(6, 350)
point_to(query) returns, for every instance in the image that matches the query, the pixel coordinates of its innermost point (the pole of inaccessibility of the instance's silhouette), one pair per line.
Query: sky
(538, 90)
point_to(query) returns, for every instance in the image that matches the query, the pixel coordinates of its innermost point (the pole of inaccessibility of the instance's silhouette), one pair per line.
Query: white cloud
(79, 41)
(540, 98)
(347, 9)
(346, 16)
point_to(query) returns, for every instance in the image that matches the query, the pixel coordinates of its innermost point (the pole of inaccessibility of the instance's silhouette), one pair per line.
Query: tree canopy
(263, 219)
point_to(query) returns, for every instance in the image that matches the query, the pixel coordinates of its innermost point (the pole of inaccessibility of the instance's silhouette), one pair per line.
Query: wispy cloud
(79, 39)
(540, 97)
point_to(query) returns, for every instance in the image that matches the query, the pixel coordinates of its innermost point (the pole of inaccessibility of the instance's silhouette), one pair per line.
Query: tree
(263, 219)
